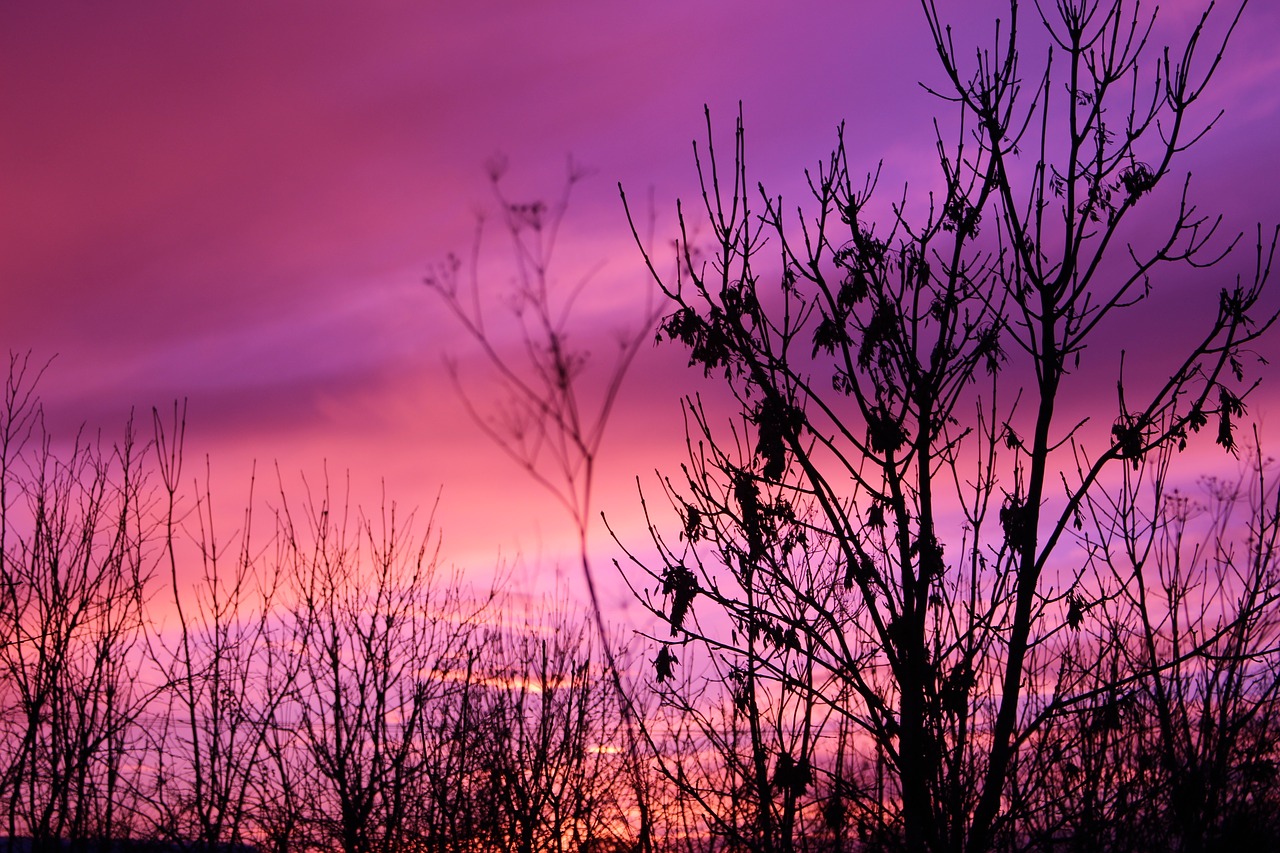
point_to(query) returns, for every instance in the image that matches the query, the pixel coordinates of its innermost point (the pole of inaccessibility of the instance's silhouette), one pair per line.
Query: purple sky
(235, 202)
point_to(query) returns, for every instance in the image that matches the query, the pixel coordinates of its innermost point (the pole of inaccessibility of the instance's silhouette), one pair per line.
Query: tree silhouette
(886, 562)
(73, 571)
(212, 735)
(379, 628)
(922, 587)
(554, 737)
(322, 684)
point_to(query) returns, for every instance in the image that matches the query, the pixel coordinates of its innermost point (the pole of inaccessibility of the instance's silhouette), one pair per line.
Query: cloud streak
(237, 202)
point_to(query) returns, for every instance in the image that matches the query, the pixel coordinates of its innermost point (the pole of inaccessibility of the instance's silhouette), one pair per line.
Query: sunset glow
(236, 204)
(639, 427)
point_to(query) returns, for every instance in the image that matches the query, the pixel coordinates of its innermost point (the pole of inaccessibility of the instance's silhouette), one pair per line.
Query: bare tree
(1202, 595)
(1169, 741)
(888, 531)
(75, 524)
(327, 687)
(212, 722)
(458, 806)
(379, 628)
(555, 747)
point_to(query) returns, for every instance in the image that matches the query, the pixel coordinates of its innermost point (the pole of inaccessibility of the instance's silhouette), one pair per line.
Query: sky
(235, 204)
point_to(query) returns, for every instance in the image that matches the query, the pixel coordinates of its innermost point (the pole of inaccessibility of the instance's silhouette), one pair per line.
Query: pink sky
(235, 202)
